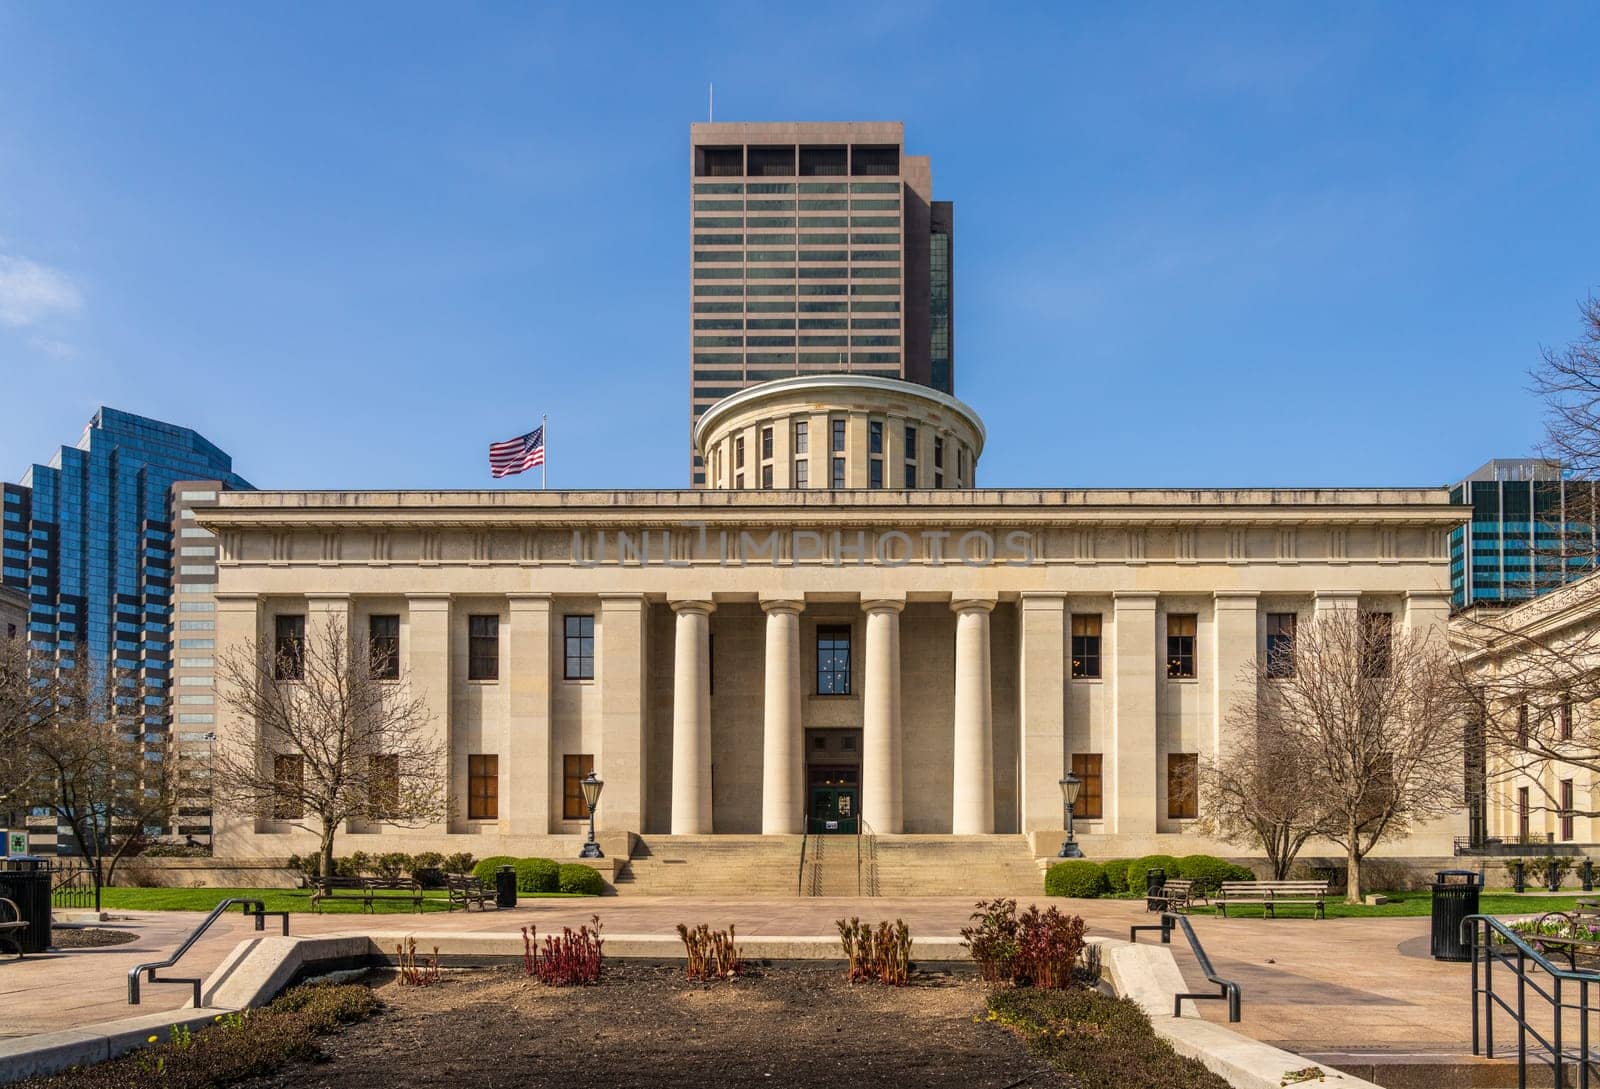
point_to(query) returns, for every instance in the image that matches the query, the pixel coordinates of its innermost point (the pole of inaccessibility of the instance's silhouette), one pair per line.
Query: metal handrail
(1227, 988)
(148, 970)
(1516, 953)
(800, 878)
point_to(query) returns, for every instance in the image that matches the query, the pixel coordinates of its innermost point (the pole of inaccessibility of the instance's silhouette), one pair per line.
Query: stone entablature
(704, 699)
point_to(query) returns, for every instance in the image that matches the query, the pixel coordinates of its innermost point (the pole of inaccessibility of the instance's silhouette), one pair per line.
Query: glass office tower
(1532, 530)
(89, 538)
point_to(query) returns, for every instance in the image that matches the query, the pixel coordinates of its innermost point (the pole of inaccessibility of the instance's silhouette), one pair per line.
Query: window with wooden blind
(483, 787)
(1181, 629)
(483, 648)
(288, 777)
(1183, 788)
(1086, 766)
(575, 768)
(1085, 645)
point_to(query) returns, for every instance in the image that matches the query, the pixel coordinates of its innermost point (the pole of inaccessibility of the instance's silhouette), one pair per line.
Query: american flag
(517, 455)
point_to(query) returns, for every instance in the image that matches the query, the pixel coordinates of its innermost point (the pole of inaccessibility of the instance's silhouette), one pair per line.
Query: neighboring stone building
(13, 613)
(765, 662)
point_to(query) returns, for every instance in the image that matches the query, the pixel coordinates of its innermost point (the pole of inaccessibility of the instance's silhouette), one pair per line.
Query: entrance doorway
(833, 782)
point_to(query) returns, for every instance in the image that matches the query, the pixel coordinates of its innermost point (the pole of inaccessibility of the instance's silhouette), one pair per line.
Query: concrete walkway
(1336, 986)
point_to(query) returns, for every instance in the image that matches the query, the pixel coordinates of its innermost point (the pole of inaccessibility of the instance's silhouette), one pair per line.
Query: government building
(839, 633)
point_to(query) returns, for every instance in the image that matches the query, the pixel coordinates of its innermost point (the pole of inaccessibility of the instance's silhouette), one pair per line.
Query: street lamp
(591, 798)
(1069, 794)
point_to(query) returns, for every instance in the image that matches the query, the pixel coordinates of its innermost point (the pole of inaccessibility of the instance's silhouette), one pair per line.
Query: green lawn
(1491, 902)
(296, 900)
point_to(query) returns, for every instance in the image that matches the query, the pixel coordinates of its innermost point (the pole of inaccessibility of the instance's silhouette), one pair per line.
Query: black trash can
(1455, 896)
(505, 887)
(25, 881)
(1154, 881)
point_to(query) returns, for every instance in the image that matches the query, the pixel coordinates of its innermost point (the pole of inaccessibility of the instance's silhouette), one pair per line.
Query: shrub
(1209, 872)
(390, 865)
(537, 875)
(458, 863)
(1138, 866)
(486, 868)
(1116, 871)
(348, 867)
(992, 938)
(710, 954)
(576, 877)
(882, 955)
(1076, 877)
(175, 850)
(360, 863)
(572, 958)
(1037, 948)
(427, 869)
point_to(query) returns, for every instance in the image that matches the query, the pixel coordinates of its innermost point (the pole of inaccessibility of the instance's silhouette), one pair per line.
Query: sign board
(16, 843)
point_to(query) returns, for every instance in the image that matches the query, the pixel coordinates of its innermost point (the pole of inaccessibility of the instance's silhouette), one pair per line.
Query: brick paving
(1321, 986)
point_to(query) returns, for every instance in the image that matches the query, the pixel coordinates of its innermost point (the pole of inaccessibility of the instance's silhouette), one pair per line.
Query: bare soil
(647, 1026)
(86, 937)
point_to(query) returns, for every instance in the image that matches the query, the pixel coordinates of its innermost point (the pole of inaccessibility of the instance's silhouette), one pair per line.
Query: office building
(1531, 531)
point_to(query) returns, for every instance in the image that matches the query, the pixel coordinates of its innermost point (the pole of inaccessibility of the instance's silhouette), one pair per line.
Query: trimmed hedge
(485, 868)
(1076, 877)
(1208, 872)
(1116, 871)
(576, 877)
(537, 875)
(1138, 866)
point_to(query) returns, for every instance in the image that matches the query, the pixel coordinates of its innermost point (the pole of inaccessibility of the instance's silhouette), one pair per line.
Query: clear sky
(352, 244)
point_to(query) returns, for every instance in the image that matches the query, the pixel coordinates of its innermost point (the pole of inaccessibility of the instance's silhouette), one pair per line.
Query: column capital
(529, 598)
(772, 605)
(1042, 599)
(692, 605)
(883, 604)
(428, 602)
(1236, 599)
(973, 602)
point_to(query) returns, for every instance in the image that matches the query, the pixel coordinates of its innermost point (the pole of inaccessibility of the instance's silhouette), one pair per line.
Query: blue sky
(352, 244)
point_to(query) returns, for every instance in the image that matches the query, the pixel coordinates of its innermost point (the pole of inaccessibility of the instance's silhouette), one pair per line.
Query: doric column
(882, 801)
(525, 774)
(239, 630)
(1043, 710)
(623, 678)
(972, 810)
(1236, 645)
(1130, 784)
(691, 719)
(782, 756)
(428, 662)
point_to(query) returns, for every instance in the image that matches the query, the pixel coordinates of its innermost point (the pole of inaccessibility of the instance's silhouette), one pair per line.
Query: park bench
(12, 924)
(1177, 894)
(367, 890)
(1572, 934)
(465, 890)
(1271, 894)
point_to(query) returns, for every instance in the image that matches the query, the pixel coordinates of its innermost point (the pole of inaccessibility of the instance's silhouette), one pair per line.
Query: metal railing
(71, 885)
(1489, 941)
(148, 970)
(866, 859)
(1226, 987)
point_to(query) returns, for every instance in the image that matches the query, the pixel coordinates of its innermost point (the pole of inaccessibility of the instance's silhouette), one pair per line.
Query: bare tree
(1569, 381)
(93, 769)
(1259, 792)
(25, 703)
(1369, 720)
(325, 738)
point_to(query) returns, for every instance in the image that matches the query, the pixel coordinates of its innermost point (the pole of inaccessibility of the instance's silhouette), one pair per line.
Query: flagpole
(544, 463)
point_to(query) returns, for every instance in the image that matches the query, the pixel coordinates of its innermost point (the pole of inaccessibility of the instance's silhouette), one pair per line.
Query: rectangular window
(1522, 814)
(1566, 809)
(1280, 644)
(938, 451)
(289, 647)
(1522, 725)
(383, 786)
(874, 436)
(833, 660)
(738, 452)
(766, 442)
(288, 777)
(838, 472)
(1183, 791)
(1180, 645)
(802, 472)
(578, 640)
(766, 475)
(802, 438)
(574, 769)
(875, 473)
(483, 648)
(838, 436)
(1086, 766)
(1377, 639)
(1564, 718)
(483, 787)
(1085, 645)
(911, 474)
(911, 442)
(383, 647)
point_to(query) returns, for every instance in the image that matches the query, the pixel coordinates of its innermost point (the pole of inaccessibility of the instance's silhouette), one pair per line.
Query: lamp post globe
(1069, 796)
(591, 786)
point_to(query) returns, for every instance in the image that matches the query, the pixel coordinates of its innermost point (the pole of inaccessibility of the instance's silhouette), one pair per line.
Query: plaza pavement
(1327, 988)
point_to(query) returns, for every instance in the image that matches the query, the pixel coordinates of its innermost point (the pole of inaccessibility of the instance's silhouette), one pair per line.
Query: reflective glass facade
(1531, 530)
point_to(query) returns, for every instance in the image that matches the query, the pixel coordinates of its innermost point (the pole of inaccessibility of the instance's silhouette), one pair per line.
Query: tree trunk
(326, 866)
(1352, 870)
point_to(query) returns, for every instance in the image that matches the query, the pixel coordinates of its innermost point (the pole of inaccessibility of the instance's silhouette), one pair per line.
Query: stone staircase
(769, 867)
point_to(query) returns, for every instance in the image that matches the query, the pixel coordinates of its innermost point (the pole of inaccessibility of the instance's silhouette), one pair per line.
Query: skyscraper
(89, 537)
(1531, 531)
(816, 248)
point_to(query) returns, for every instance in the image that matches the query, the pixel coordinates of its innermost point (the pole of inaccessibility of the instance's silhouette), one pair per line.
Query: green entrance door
(835, 810)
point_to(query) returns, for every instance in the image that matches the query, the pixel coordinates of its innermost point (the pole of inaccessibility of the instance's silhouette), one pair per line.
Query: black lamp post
(1069, 794)
(591, 798)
